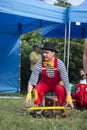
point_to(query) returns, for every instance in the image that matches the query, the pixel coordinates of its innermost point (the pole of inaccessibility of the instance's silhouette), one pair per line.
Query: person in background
(53, 71)
(85, 58)
(35, 56)
(82, 77)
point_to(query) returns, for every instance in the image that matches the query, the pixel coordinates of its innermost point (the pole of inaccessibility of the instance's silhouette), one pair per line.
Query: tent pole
(40, 33)
(65, 43)
(68, 50)
(19, 32)
(41, 39)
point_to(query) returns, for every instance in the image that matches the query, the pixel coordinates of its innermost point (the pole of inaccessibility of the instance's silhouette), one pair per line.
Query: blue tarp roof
(29, 14)
(18, 17)
(77, 15)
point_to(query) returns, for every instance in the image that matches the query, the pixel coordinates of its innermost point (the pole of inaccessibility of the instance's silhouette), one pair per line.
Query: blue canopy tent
(77, 14)
(19, 17)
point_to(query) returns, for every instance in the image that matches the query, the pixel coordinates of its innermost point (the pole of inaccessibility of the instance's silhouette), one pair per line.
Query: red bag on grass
(80, 95)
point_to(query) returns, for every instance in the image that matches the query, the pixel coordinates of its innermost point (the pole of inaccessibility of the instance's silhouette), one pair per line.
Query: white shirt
(61, 68)
(83, 81)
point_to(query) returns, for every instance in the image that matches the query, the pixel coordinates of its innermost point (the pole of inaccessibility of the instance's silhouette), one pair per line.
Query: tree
(62, 3)
(28, 40)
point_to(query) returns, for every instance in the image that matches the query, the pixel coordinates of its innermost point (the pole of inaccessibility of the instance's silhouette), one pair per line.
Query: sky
(73, 2)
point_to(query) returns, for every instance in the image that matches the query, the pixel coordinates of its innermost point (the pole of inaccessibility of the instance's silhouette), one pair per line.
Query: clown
(53, 71)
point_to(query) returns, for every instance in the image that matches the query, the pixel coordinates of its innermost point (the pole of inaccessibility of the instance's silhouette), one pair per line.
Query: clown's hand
(69, 102)
(28, 99)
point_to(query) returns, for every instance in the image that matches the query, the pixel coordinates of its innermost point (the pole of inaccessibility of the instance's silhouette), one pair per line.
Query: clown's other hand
(28, 99)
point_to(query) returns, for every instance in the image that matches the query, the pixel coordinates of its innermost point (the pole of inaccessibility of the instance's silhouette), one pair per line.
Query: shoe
(64, 114)
(36, 113)
(50, 115)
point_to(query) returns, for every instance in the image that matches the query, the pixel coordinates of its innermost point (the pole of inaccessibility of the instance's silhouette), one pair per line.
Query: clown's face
(81, 72)
(48, 55)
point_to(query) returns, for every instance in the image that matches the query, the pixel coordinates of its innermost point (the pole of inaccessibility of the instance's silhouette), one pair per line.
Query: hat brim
(49, 49)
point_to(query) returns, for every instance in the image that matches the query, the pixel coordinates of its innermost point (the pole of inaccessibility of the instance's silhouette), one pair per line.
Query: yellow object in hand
(35, 94)
(29, 95)
(69, 99)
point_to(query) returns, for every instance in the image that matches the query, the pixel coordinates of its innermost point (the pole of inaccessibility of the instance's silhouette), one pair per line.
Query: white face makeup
(48, 55)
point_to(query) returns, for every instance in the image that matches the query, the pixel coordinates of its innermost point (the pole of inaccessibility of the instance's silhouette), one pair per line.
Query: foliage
(32, 37)
(62, 3)
(76, 56)
(25, 65)
(28, 40)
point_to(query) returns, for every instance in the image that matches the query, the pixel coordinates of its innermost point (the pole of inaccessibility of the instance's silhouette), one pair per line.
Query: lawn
(13, 117)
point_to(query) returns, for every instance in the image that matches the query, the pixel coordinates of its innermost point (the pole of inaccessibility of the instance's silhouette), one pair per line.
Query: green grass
(13, 117)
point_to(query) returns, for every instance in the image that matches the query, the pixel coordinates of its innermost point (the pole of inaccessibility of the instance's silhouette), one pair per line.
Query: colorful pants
(41, 88)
